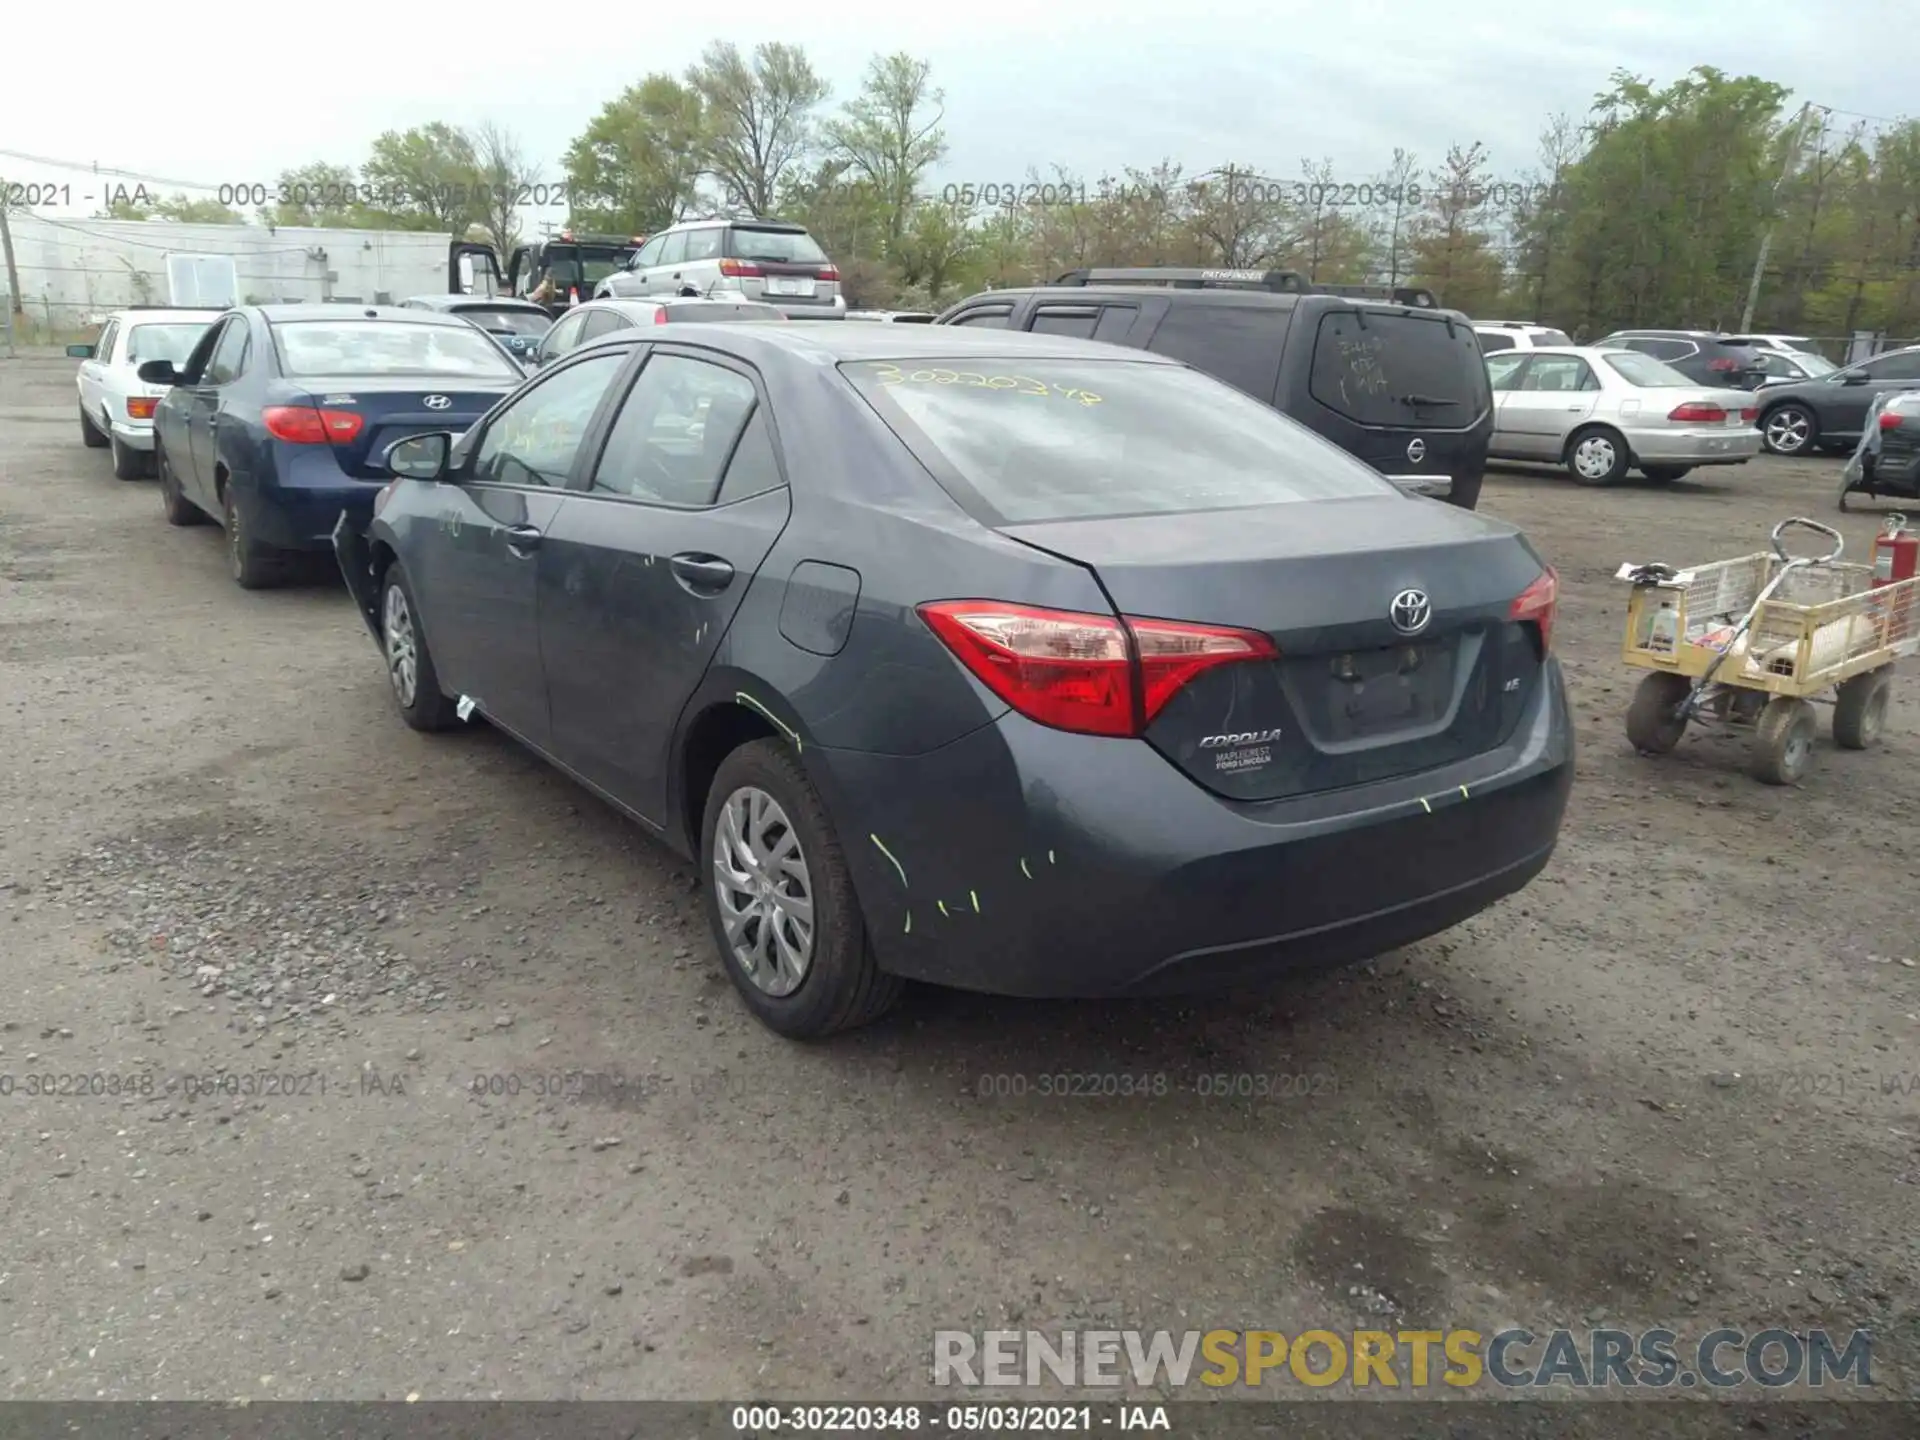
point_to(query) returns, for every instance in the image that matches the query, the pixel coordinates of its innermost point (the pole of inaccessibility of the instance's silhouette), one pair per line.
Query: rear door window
(1239, 344)
(1078, 321)
(1394, 370)
(601, 322)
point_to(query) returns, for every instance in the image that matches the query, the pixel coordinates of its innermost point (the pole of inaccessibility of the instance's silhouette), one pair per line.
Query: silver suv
(765, 260)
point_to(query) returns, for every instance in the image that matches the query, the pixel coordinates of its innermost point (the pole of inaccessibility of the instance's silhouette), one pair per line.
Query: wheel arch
(1587, 427)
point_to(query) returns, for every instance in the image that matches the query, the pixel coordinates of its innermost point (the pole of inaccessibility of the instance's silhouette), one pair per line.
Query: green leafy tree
(1450, 245)
(178, 207)
(890, 134)
(759, 119)
(637, 167)
(315, 194)
(425, 178)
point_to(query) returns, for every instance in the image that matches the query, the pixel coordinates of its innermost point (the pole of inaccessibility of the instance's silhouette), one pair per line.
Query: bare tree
(504, 174)
(886, 136)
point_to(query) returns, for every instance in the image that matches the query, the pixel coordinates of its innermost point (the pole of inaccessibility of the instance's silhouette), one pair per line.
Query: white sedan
(1602, 411)
(116, 407)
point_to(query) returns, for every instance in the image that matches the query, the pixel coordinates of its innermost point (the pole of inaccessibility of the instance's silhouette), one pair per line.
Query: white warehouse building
(72, 272)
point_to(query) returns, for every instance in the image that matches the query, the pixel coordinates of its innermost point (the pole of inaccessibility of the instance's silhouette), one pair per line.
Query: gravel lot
(1663, 1085)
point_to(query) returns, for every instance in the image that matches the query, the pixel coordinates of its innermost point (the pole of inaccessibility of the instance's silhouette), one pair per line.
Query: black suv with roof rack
(1383, 372)
(1706, 357)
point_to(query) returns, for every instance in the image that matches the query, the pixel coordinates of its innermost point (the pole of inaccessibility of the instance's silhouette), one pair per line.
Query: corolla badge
(1416, 450)
(1245, 737)
(438, 402)
(1410, 611)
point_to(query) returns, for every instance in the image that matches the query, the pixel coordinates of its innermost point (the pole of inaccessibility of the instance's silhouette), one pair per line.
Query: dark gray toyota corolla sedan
(1009, 662)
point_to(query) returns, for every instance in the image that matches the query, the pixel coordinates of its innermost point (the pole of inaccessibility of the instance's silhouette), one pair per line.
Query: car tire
(90, 433)
(410, 673)
(836, 984)
(1665, 474)
(173, 504)
(1860, 709)
(253, 566)
(1652, 727)
(1790, 429)
(1783, 742)
(1597, 455)
(128, 463)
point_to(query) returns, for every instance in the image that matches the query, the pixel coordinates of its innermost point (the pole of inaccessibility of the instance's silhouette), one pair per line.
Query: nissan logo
(442, 402)
(1410, 611)
(1416, 450)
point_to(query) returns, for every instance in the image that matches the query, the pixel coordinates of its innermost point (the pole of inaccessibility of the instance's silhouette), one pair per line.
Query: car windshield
(1078, 439)
(386, 347)
(514, 322)
(163, 342)
(745, 243)
(1645, 371)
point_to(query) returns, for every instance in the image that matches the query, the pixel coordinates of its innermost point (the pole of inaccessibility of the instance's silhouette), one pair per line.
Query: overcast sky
(228, 92)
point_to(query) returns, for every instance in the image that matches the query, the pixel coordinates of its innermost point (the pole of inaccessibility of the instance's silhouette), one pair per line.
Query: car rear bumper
(303, 517)
(134, 434)
(1023, 861)
(1708, 445)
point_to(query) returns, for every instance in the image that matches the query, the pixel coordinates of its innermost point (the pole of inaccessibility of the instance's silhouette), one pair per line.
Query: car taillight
(1695, 410)
(1535, 605)
(140, 407)
(740, 269)
(1750, 414)
(1889, 420)
(306, 425)
(828, 272)
(1723, 363)
(1091, 674)
(660, 316)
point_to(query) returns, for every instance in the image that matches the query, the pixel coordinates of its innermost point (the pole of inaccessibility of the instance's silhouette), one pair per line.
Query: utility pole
(6, 244)
(1766, 240)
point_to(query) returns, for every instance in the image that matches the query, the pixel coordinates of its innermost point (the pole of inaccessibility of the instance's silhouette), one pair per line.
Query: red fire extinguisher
(1896, 557)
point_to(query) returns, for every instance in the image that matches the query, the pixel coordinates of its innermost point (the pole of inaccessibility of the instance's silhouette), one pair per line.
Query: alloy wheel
(403, 651)
(764, 890)
(1788, 432)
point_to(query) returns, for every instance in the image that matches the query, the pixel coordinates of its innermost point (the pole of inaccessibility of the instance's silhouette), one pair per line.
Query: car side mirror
(158, 372)
(421, 457)
(79, 352)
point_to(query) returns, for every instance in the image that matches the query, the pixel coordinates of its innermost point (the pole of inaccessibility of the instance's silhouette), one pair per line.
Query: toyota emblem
(442, 402)
(1410, 611)
(1416, 450)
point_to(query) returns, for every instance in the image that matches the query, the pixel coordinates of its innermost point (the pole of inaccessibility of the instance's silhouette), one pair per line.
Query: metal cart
(1752, 641)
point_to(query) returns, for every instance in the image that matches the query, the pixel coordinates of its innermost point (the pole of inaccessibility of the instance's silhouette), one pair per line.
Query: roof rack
(1286, 282)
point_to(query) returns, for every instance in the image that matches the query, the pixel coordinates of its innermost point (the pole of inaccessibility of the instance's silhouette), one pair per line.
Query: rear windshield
(744, 243)
(720, 310)
(383, 347)
(1645, 371)
(577, 265)
(1382, 368)
(1086, 439)
(163, 342)
(513, 321)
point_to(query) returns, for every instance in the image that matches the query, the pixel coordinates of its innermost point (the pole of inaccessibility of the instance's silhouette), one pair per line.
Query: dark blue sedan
(278, 421)
(1006, 661)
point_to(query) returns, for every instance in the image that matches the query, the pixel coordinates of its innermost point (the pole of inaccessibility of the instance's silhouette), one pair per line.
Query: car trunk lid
(388, 409)
(1352, 697)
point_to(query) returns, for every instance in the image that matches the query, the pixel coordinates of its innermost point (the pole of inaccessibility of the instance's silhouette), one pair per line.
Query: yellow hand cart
(1752, 641)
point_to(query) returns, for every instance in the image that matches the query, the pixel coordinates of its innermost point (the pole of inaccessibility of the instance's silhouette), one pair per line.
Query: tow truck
(576, 263)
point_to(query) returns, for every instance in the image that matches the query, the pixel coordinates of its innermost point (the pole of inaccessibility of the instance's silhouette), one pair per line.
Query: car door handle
(701, 574)
(522, 539)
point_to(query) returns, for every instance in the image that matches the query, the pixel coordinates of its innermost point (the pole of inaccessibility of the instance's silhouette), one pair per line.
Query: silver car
(1602, 411)
(763, 260)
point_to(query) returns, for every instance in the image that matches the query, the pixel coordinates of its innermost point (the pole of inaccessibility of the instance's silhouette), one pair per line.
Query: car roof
(1208, 295)
(306, 310)
(180, 314)
(455, 302)
(837, 341)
